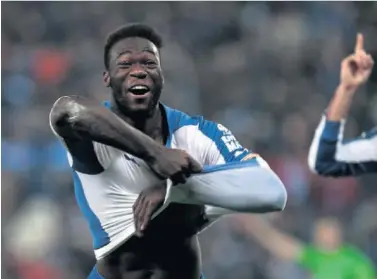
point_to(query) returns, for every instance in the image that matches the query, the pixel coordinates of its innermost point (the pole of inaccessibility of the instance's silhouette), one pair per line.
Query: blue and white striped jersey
(329, 155)
(107, 185)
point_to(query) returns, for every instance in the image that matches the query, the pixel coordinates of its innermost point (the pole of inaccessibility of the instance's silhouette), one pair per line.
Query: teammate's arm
(77, 119)
(279, 244)
(328, 154)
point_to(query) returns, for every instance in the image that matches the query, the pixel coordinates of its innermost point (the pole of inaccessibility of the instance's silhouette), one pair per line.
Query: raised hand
(357, 67)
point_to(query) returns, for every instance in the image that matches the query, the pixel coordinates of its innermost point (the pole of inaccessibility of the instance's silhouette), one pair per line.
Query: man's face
(327, 234)
(135, 75)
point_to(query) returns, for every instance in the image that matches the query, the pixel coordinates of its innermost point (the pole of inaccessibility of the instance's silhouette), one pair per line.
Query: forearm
(340, 104)
(250, 189)
(76, 118)
(278, 243)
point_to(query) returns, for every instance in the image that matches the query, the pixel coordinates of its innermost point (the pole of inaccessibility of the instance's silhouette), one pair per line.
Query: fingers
(361, 60)
(359, 46)
(192, 167)
(178, 165)
(138, 210)
(158, 174)
(195, 167)
(368, 61)
(147, 215)
(179, 178)
(353, 64)
(141, 218)
(148, 201)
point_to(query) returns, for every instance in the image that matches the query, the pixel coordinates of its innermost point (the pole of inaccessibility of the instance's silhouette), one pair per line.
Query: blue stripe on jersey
(94, 274)
(331, 130)
(177, 119)
(225, 142)
(99, 235)
(231, 165)
(326, 163)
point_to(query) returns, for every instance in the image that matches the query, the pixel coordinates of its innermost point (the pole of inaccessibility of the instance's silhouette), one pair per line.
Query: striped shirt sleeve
(225, 147)
(330, 155)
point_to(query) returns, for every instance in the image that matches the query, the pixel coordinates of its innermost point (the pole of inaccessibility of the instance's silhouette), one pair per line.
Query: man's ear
(106, 78)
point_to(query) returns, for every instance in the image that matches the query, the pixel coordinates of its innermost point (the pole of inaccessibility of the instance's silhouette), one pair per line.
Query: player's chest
(130, 174)
(339, 268)
(133, 175)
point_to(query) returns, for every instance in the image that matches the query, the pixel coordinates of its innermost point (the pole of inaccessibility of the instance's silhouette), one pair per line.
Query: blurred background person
(266, 70)
(327, 257)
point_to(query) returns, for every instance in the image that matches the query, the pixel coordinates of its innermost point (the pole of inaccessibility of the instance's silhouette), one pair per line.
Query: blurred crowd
(264, 70)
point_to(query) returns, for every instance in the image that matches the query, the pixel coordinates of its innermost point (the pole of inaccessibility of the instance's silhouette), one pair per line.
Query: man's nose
(138, 72)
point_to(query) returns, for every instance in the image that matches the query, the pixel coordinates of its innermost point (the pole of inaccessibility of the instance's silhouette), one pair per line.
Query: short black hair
(131, 30)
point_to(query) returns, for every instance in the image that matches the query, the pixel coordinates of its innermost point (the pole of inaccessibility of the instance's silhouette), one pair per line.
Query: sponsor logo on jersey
(228, 139)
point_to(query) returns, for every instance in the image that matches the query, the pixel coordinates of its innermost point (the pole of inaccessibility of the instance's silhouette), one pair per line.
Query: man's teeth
(139, 87)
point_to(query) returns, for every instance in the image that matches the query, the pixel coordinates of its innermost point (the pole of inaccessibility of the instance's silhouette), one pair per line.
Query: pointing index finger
(359, 46)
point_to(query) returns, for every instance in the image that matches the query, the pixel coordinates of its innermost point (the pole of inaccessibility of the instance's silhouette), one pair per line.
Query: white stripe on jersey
(360, 150)
(313, 150)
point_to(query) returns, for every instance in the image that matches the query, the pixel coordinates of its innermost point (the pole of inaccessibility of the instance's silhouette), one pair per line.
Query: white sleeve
(233, 187)
(362, 149)
(329, 155)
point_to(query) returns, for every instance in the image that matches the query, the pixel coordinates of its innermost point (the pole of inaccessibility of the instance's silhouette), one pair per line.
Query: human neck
(148, 123)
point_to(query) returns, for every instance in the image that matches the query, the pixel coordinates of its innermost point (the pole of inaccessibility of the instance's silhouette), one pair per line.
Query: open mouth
(139, 89)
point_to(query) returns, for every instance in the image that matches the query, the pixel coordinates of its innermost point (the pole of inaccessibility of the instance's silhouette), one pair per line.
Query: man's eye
(125, 64)
(151, 63)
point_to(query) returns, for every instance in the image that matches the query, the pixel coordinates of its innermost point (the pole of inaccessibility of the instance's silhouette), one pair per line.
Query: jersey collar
(171, 118)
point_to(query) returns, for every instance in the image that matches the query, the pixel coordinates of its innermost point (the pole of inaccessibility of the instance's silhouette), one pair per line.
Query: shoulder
(214, 142)
(309, 255)
(311, 249)
(183, 124)
(353, 251)
(178, 120)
